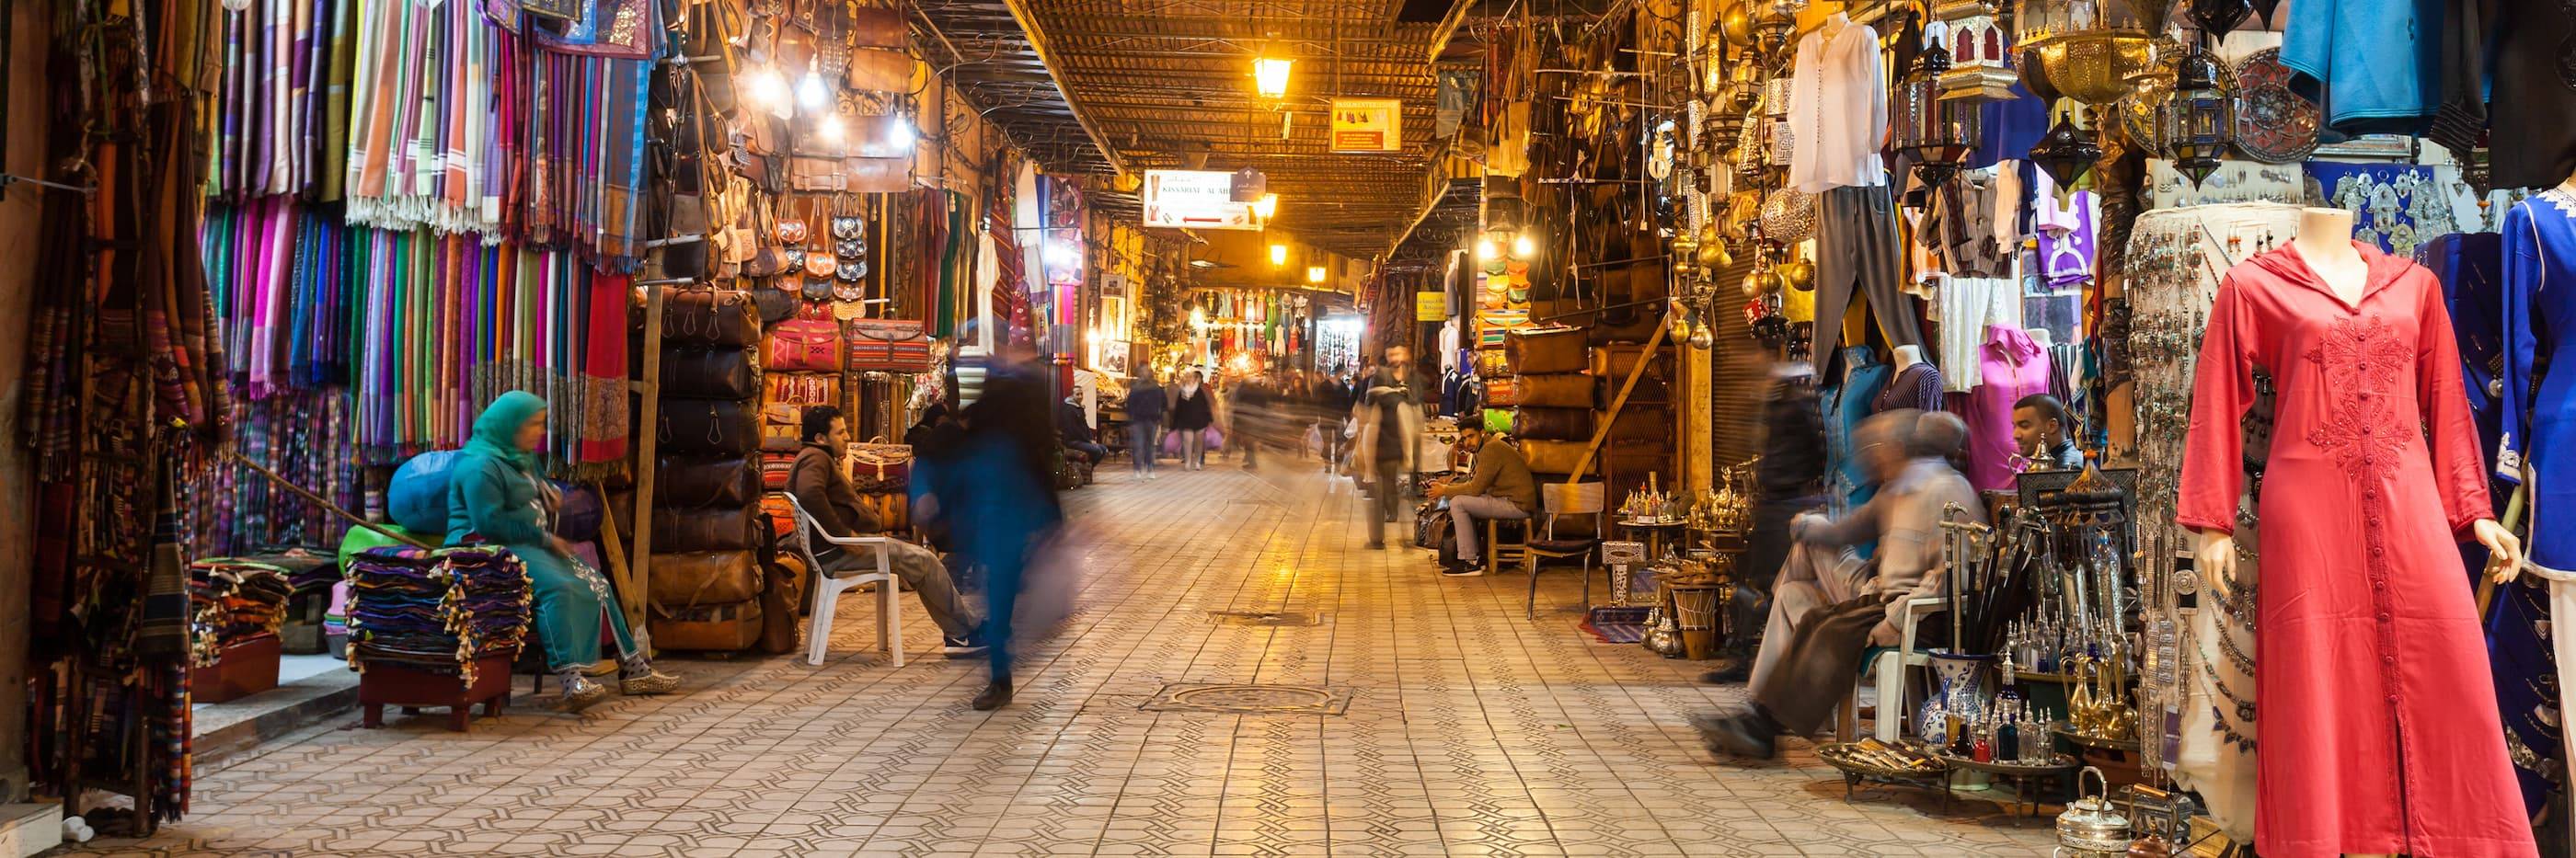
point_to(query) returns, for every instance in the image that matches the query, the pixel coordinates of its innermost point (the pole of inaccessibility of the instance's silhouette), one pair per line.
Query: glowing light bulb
(830, 128)
(1279, 254)
(901, 135)
(1265, 207)
(1524, 247)
(810, 93)
(1270, 76)
(1314, 274)
(770, 91)
(1485, 250)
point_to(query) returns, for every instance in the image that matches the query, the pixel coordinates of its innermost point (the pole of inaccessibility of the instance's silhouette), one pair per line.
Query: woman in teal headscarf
(498, 495)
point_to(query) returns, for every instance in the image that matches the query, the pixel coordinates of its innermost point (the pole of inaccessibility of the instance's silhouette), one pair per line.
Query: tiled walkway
(1470, 731)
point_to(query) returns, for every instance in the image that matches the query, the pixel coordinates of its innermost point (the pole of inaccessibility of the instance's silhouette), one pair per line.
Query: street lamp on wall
(1279, 254)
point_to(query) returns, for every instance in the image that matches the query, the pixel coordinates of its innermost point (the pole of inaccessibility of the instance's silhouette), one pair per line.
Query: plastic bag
(416, 498)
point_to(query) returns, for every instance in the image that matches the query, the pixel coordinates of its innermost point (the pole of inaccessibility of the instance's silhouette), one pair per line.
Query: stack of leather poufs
(1552, 397)
(709, 532)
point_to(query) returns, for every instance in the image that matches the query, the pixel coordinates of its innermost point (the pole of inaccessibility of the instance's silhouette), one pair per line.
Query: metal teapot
(2090, 827)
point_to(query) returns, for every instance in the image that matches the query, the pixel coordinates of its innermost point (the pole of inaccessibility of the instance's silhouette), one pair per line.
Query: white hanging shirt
(1837, 109)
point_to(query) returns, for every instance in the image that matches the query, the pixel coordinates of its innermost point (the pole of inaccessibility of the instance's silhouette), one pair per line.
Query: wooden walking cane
(232, 455)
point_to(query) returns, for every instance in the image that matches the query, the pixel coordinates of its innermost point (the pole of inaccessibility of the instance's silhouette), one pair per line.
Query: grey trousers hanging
(1857, 251)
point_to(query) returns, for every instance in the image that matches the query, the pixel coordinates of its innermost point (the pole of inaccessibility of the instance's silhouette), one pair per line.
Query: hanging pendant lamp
(2199, 117)
(1936, 133)
(2066, 153)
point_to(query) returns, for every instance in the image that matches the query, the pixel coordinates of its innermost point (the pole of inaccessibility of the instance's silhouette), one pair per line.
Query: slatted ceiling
(1168, 83)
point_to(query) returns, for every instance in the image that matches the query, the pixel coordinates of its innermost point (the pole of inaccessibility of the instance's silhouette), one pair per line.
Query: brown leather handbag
(696, 482)
(709, 427)
(710, 373)
(1551, 457)
(711, 317)
(779, 602)
(704, 578)
(708, 528)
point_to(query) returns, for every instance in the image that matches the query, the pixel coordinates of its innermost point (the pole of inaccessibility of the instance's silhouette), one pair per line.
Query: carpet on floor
(1616, 624)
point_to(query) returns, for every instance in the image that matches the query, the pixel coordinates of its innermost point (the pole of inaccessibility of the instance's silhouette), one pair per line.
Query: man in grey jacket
(1831, 607)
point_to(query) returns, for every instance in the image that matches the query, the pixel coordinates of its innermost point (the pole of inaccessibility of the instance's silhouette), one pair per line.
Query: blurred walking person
(1390, 420)
(998, 493)
(1193, 411)
(1145, 412)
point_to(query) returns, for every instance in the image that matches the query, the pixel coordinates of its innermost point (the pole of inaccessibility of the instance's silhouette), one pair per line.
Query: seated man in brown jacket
(824, 489)
(1500, 487)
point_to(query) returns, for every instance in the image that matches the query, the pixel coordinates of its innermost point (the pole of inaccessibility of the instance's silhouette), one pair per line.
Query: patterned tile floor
(1470, 731)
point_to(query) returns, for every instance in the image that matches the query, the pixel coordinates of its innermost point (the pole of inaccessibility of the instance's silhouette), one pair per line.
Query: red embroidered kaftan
(2380, 732)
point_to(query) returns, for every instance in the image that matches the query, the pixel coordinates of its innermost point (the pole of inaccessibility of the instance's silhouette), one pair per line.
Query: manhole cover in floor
(1251, 699)
(1265, 618)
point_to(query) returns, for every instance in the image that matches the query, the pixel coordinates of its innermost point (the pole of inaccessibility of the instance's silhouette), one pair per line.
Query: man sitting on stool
(1829, 608)
(826, 493)
(1500, 487)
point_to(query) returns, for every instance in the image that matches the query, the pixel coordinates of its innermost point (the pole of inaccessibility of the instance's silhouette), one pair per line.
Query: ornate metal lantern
(2216, 17)
(2089, 50)
(1937, 133)
(2066, 154)
(2199, 117)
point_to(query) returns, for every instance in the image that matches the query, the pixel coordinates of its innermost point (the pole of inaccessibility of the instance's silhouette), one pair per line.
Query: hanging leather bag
(709, 528)
(709, 427)
(803, 389)
(710, 373)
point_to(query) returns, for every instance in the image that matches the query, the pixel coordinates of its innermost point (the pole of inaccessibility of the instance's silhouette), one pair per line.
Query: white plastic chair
(828, 586)
(1890, 668)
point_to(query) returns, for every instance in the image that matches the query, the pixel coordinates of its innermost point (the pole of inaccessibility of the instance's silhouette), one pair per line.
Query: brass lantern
(2089, 50)
(1772, 30)
(2198, 119)
(1935, 132)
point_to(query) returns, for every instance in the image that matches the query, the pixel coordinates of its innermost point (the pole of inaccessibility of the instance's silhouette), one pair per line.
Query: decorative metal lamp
(1936, 133)
(2199, 118)
(2090, 49)
(2217, 17)
(1772, 30)
(2066, 153)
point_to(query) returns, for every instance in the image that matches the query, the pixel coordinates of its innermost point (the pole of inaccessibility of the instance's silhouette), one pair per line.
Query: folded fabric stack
(231, 602)
(436, 610)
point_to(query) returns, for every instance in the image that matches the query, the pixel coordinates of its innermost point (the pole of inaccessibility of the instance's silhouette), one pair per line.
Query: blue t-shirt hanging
(2371, 64)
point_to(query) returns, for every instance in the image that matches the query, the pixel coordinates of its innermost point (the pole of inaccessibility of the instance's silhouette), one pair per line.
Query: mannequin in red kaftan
(2380, 732)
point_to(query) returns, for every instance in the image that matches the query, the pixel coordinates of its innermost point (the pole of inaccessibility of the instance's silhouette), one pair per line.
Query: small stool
(390, 684)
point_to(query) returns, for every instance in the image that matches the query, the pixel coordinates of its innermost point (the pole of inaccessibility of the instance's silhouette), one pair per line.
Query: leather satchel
(711, 317)
(708, 427)
(805, 345)
(1625, 325)
(785, 591)
(850, 175)
(1570, 390)
(692, 482)
(703, 578)
(888, 345)
(712, 528)
(1539, 351)
(710, 373)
